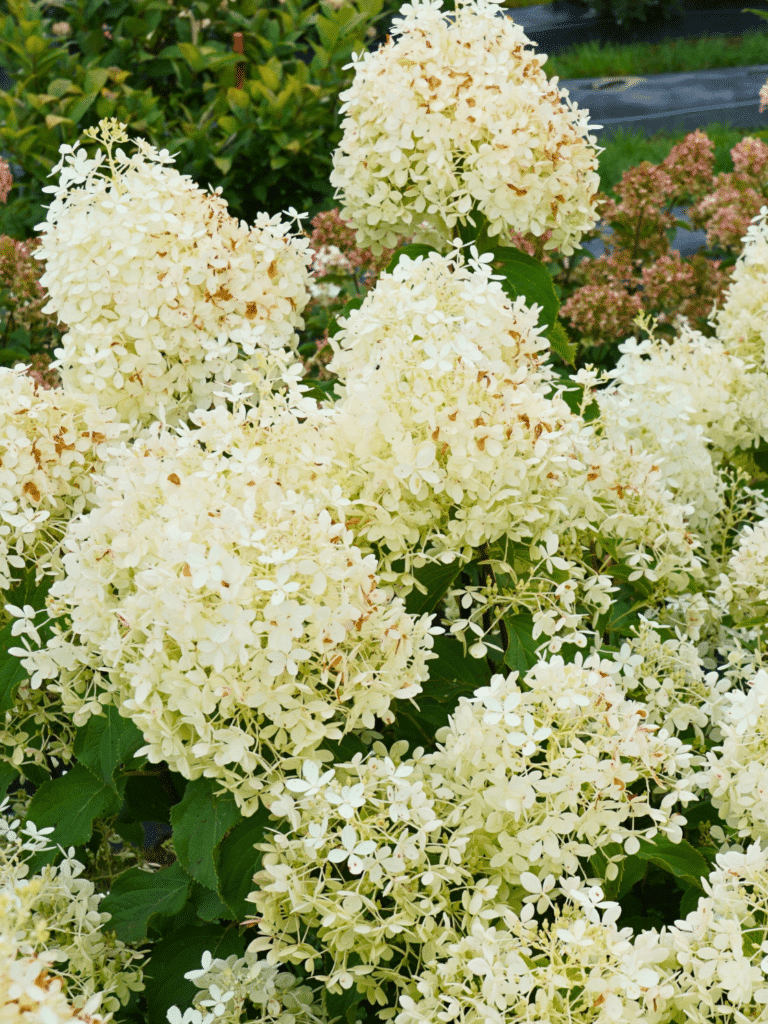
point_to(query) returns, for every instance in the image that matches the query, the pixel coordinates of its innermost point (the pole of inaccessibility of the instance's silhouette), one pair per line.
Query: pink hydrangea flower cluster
(639, 269)
(330, 231)
(22, 298)
(734, 197)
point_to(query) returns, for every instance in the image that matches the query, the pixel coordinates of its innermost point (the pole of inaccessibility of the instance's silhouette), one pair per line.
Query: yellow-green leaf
(95, 79)
(35, 45)
(61, 86)
(52, 120)
(269, 75)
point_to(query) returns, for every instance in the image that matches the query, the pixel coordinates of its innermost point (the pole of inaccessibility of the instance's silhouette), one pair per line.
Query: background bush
(169, 73)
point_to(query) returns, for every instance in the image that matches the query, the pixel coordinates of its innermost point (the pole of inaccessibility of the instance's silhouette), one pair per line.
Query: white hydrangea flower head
(50, 442)
(656, 402)
(51, 922)
(367, 864)
(233, 620)
(549, 769)
(721, 968)
(571, 969)
(225, 985)
(445, 432)
(743, 587)
(456, 110)
(666, 673)
(740, 322)
(625, 499)
(30, 990)
(691, 402)
(166, 296)
(698, 378)
(736, 773)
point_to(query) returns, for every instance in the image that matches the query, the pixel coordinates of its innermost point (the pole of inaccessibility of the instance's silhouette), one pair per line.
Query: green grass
(593, 60)
(627, 149)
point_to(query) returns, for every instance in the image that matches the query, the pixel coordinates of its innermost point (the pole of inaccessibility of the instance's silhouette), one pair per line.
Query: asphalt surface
(687, 100)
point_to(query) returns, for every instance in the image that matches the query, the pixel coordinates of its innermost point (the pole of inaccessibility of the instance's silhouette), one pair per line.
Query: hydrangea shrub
(433, 690)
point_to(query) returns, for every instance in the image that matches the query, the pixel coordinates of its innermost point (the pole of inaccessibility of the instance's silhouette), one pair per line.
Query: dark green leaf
(633, 870)
(237, 862)
(319, 389)
(521, 653)
(452, 675)
(342, 1006)
(146, 798)
(678, 859)
(524, 275)
(436, 578)
(70, 804)
(138, 896)
(690, 900)
(7, 774)
(176, 954)
(760, 457)
(105, 742)
(199, 823)
(207, 904)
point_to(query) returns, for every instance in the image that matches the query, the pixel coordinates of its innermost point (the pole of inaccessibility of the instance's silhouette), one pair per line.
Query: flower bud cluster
(667, 675)
(165, 295)
(224, 986)
(456, 110)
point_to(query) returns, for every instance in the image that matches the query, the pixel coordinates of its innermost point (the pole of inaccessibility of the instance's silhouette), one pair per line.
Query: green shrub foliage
(170, 73)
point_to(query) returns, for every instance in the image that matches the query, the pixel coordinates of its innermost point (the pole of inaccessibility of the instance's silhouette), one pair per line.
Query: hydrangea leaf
(435, 578)
(237, 862)
(147, 798)
(560, 343)
(199, 823)
(630, 870)
(177, 953)
(521, 653)
(8, 773)
(679, 859)
(207, 904)
(70, 804)
(136, 897)
(524, 275)
(106, 742)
